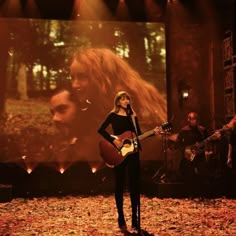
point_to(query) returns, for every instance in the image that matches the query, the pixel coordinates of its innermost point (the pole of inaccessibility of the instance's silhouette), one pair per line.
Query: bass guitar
(114, 156)
(190, 152)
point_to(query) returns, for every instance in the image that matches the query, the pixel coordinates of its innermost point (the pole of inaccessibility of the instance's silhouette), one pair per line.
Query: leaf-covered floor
(96, 215)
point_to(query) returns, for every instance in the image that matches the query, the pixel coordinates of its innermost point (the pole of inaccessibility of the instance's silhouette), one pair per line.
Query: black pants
(130, 167)
(195, 171)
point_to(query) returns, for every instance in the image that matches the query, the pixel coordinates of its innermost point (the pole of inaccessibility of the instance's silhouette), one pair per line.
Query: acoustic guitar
(114, 156)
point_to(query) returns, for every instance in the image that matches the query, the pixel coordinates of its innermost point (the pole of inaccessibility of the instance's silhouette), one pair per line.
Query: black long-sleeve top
(190, 135)
(119, 124)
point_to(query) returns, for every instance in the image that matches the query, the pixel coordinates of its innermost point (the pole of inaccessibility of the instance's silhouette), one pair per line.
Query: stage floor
(96, 215)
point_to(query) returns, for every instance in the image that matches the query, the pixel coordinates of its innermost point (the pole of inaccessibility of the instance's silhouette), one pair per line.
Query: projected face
(79, 80)
(64, 113)
(131, 59)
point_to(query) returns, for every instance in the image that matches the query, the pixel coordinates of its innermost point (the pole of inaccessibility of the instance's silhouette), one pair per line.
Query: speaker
(171, 190)
(5, 193)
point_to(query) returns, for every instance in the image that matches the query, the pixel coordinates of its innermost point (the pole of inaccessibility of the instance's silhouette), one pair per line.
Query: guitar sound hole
(126, 143)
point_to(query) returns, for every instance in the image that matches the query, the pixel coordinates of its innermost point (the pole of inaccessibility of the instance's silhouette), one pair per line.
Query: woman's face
(80, 80)
(123, 102)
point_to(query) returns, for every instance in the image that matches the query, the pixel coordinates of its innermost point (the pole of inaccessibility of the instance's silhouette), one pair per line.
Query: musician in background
(193, 166)
(120, 121)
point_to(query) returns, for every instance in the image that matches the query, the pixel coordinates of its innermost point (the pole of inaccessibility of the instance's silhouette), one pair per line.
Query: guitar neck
(146, 134)
(163, 127)
(224, 129)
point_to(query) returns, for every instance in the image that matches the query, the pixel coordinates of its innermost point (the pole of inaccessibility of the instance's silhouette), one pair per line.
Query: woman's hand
(157, 130)
(216, 136)
(229, 162)
(118, 143)
(229, 156)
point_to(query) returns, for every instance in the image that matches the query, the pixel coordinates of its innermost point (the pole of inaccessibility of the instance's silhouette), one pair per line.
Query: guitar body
(189, 153)
(111, 155)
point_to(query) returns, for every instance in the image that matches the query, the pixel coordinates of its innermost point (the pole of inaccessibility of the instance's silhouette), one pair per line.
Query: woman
(96, 75)
(121, 121)
(99, 72)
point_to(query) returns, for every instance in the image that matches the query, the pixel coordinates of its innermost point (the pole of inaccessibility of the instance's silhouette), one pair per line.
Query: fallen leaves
(96, 215)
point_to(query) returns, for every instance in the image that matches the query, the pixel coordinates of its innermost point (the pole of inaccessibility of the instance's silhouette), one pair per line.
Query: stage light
(92, 10)
(29, 170)
(185, 94)
(94, 170)
(153, 10)
(183, 91)
(61, 170)
(11, 8)
(31, 9)
(122, 11)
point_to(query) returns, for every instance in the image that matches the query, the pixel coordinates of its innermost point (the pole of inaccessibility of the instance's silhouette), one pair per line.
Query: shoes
(121, 223)
(123, 228)
(135, 224)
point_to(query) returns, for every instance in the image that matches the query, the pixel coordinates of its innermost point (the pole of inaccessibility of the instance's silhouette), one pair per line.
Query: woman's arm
(102, 129)
(106, 135)
(229, 156)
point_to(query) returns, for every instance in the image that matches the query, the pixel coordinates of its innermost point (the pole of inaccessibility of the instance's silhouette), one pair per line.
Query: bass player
(193, 166)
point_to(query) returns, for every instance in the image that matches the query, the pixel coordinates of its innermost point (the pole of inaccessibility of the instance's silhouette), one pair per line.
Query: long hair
(117, 98)
(108, 73)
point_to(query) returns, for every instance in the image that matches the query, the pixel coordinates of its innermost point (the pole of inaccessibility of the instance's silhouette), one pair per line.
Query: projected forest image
(37, 58)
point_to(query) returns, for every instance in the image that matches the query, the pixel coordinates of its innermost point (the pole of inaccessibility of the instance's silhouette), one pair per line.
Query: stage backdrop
(38, 55)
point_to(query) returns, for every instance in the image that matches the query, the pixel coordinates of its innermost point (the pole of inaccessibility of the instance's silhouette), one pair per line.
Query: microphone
(129, 110)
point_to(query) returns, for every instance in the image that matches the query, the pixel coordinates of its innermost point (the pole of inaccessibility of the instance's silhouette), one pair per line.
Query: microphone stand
(163, 168)
(132, 119)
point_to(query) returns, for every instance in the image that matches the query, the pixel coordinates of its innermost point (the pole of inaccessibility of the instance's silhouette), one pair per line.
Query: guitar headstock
(165, 127)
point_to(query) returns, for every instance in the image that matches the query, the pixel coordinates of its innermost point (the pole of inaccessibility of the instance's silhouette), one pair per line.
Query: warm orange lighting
(62, 170)
(12, 8)
(122, 12)
(29, 170)
(31, 9)
(92, 10)
(185, 94)
(153, 10)
(75, 13)
(96, 166)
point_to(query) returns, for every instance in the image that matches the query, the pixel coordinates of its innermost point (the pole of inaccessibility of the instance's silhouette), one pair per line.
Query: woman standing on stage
(120, 119)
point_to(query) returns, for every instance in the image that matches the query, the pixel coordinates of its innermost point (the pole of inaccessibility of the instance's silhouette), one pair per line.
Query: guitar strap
(139, 147)
(136, 131)
(135, 126)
